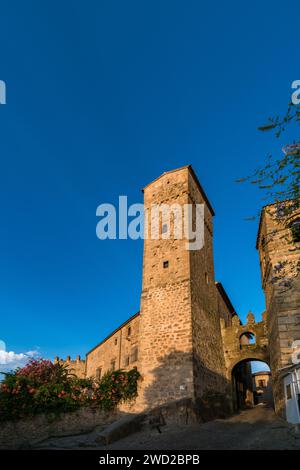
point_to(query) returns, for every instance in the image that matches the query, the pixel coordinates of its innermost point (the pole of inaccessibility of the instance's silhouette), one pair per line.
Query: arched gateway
(242, 344)
(176, 341)
(236, 350)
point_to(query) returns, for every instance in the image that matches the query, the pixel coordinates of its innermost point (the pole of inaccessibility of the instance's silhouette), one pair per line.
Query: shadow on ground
(257, 428)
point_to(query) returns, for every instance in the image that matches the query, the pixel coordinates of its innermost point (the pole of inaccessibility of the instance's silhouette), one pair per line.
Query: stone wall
(263, 393)
(276, 248)
(238, 351)
(28, 432)
(284, 329)
(166, 328)
(119, 351)
(209, 365)
(180, 335)
(224, 308)
(235, 351)
(185, 341)
(77, 367)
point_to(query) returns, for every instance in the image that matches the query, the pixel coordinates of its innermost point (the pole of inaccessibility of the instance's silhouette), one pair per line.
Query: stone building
(187, 341)
(262, 387)
(118, 351)
(278, 242)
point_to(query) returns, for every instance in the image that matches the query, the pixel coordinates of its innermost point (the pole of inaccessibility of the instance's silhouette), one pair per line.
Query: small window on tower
(116, 341)
(166, 264)
(129, 331)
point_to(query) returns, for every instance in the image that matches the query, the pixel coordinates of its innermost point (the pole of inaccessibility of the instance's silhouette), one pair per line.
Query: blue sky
(102, 97)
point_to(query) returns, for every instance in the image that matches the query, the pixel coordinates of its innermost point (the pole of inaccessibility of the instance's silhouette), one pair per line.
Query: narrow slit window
(164, 228)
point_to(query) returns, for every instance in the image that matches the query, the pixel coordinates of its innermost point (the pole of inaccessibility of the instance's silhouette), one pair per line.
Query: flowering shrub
(43, 387)
(116, 387)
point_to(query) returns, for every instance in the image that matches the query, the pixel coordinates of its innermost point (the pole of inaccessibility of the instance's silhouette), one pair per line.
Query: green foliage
(117, 386)
(279, 124)
(279, 177)
(44, 387)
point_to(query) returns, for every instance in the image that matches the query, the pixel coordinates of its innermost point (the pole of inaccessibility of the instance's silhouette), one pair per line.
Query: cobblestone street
(257, 428)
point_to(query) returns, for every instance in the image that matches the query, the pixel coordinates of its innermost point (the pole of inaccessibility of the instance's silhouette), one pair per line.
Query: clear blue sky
(102, 97)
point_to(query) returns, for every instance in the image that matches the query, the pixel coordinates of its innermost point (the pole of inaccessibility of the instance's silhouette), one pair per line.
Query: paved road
(258, 428)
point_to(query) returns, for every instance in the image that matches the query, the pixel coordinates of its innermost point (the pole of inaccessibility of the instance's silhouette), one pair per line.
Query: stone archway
(249, 355)
(241, 383)
(235, 350)
(241, 352)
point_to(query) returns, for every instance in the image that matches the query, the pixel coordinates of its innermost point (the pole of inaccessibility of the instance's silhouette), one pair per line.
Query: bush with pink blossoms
(44, 387)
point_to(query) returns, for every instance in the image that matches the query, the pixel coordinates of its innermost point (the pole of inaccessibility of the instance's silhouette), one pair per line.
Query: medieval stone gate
(176, 341)
(238, 348)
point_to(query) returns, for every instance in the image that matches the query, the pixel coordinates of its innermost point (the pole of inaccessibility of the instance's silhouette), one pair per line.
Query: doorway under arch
(251, 384)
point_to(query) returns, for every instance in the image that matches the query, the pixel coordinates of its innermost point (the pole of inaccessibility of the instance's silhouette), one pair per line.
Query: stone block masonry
(277, 248)
(186, 339)
(181, 351)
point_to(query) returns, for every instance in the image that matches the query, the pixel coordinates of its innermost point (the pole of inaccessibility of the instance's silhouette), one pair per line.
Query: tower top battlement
(195, 178)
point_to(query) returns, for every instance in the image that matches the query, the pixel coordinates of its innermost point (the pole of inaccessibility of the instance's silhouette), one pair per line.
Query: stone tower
(278, 243)
(181, 354)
